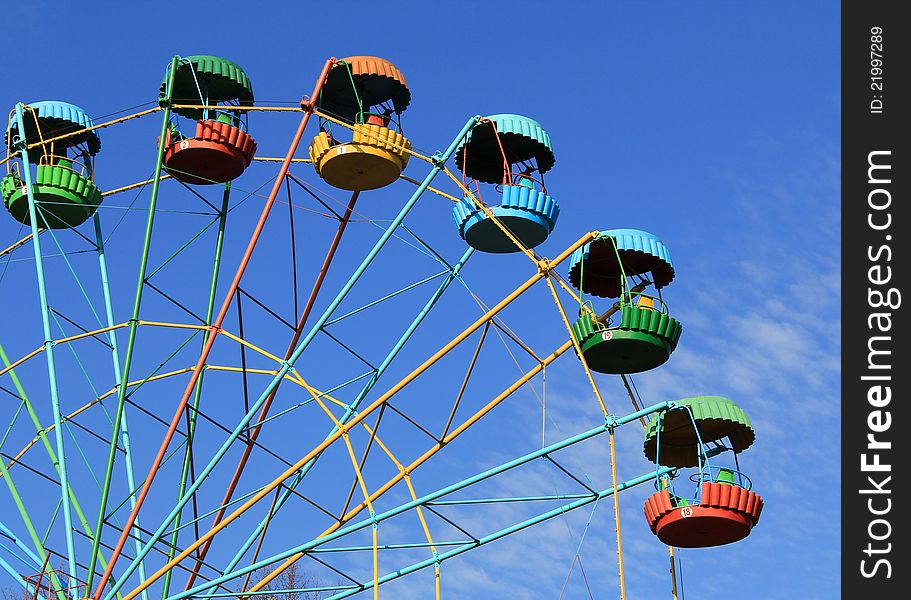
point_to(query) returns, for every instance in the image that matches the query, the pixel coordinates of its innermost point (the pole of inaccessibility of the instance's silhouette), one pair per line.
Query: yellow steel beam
(613, 453)
(576, 346)
(613, 474)
(429, 188)
(525, 250)
(227, 108)
(276, 159)
(496, 221)
(455, 433)
(141, 113)
(24, 240)
(132, 186)
(543, 268)
(85, 407)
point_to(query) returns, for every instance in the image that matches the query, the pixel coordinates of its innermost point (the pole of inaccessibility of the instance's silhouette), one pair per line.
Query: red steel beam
(214, 329)
(264, 411)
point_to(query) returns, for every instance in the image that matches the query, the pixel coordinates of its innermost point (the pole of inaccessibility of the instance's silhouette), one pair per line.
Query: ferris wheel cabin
(54, 137)
(694, 433)
(511, 152)
(368, 94)
(646, 333)
(205, 90)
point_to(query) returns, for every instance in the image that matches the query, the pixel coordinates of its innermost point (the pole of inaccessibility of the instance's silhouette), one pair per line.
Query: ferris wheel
(217, 371)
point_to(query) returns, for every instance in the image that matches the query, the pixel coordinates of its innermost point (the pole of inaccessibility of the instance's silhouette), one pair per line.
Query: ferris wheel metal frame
(136, 579)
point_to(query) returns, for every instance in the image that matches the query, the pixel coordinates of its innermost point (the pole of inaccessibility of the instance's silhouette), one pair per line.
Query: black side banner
(876, 262)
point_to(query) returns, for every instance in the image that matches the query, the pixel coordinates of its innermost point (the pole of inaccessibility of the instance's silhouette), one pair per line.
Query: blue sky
(714, 125)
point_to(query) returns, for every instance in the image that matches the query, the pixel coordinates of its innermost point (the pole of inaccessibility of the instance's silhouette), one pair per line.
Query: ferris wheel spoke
(291, 555)
(462, 427)
(490, 314)
(499, 534)
(272, 424)
(193, 410)
(161, 549)
(48, 344)
(52, 455)
(438, 166)
(194, 406)
(128, 357)
(351, 411)
(206, 349)
(298, 330)
(458, 547)
(28, 559)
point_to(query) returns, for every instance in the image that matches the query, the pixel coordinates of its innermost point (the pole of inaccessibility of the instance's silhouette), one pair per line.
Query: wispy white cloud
(764, 331)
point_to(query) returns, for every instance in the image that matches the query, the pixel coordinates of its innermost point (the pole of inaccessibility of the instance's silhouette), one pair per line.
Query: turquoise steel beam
(33, 562)
(41, 434)
(134, 322)
(14, 491)
(351, 409)
(331, 390)
(203, 516)
(373, 303)
(613, 421)
(508, 500)
(439, 162)
(307, 107)
(16, 576)
(8, 533)
(297, 592)
(12, 552)
(115, 359)
(412, 546)
(428, 498)
(197, 392)
(48, 348)
(502, 533)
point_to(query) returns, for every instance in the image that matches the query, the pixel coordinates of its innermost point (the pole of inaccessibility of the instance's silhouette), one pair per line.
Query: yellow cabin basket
(375, 158)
